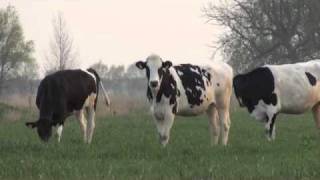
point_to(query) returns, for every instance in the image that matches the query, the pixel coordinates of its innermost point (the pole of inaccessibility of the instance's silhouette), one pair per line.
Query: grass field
(126, 147)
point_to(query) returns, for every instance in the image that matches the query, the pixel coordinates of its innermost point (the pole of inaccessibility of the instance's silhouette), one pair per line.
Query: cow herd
(185, 90)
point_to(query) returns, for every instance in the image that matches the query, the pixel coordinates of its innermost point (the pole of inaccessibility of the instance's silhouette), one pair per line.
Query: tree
(14, 50)
(28, 72)
(273, 31)
(62, 54)
(134, 72)
(102, 69)
(116, 72)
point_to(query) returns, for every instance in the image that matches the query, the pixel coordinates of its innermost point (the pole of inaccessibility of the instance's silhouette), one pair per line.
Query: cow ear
(141, 65)
(167, 64)
(31, 124)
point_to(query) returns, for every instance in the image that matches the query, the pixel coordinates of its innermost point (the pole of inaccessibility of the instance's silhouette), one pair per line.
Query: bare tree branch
(62, 54)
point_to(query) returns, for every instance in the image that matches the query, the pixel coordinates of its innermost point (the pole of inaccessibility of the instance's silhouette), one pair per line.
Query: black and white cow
(273, 89)
(66, 92)
(188, 90)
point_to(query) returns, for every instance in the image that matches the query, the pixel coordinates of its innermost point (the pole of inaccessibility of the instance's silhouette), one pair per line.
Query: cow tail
(99, 83)
(105, 94)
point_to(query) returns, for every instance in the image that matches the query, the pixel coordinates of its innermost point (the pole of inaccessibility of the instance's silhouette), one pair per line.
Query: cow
(188, 90)
(64, 93)
(272, 89)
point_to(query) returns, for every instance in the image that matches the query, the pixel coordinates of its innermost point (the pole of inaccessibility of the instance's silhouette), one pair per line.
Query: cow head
(155, 68)
(239, 84)
(44, 128)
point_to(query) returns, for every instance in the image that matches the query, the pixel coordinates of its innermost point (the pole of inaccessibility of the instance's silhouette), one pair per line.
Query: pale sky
(122, 31)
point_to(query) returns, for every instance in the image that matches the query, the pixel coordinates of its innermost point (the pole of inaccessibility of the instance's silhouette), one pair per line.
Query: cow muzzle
(154, 84)
(164, 139)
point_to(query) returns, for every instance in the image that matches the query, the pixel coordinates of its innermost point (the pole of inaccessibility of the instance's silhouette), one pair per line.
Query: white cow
(273, 89)
(188, 90)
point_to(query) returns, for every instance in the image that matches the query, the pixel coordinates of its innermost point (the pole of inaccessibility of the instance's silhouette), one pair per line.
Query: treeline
(115, 72)
(117, 79)
(259, 32)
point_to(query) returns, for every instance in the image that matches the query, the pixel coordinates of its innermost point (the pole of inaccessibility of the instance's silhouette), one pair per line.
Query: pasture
(126, 147)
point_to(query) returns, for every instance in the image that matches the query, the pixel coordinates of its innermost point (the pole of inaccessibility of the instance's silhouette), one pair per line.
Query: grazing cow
(273, 89)
(188, 90)
(66, 92)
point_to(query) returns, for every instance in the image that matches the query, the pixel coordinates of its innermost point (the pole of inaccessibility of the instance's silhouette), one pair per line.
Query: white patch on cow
(180, 73)
(199, 88)
(91, 123)
(87, 125)
(83, 123)
(154, 62)
(296, 95)
(262, 111)
(194, 70)
(59, 132)
(90, 100)
(163, 117)
(91, 74)
(188, 89)
(273, 133)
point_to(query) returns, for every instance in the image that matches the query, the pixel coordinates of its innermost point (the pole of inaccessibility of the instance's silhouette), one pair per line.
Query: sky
(122, 31)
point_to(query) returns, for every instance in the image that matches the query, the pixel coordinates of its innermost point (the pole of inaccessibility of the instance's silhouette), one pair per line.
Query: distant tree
(62, 54)
(267, 31)
(28, 72)
(133, 72)
(15, 52)
(102, 69)
(116, 72)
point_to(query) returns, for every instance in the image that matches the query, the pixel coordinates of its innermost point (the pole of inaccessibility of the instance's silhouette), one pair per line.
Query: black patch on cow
(254, 86)
(149, 94)
(311, 78)
(168, 88)
(192, 77)
(272, 99)
(161, 72)
(61, 93)
(148, 72)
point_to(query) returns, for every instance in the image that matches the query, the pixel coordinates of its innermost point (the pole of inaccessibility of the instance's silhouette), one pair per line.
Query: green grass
(126, 147)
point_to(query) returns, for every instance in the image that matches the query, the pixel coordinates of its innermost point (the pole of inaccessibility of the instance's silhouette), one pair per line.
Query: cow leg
(214, 126)
(83, 124)
(90, 123)
(270, 126)
(59, 131)
(316, 115)
(224, 124)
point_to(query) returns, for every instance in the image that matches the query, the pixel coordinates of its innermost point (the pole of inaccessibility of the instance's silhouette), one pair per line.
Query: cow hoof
(224, 144)
(270, 138)
(164, 143)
